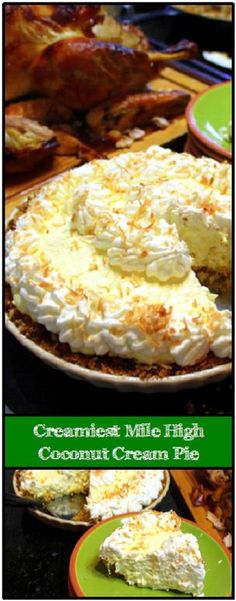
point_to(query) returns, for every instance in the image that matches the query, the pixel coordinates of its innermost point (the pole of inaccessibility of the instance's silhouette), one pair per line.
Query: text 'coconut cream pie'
(109, 258)
(150, 550)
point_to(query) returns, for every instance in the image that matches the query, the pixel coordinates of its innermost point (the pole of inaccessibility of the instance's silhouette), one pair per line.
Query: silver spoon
(65, 507)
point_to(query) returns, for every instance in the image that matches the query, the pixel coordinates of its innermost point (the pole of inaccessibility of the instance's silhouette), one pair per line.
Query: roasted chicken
(32, 28)
(71, 53)
(87, 72)
(82, 60)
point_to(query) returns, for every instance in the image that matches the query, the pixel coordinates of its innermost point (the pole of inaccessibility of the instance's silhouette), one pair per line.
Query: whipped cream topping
(113, 492)
(194, 194)
(100, 257)
(135, 239)
(150, 550)
(146, 530)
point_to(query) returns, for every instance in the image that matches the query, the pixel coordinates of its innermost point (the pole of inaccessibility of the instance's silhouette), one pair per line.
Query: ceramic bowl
(206, 115)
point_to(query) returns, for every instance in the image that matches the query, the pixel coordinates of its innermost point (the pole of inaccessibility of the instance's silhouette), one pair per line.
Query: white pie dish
(74, 526)
(123, 383)
(133, 338)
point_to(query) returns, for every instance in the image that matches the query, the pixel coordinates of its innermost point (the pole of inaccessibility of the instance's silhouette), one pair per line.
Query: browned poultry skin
(41, 18)
(43, 110)
(18, 60)
(136, 110)
(84, 72)
(78, 54)
(31, 28)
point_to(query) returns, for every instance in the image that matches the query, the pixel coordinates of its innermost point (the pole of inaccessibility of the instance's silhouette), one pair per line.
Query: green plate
(88, 577)
(208, 113)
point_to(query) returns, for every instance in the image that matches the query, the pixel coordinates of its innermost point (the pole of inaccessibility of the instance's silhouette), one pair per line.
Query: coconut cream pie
(150, 550)
(106, 492)
(109, 258)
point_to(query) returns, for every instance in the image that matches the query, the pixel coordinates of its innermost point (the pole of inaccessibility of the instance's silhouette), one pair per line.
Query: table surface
(36, 556)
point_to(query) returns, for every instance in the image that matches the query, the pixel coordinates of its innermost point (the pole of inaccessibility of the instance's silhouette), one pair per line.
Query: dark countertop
(36, 556)
(33, 388)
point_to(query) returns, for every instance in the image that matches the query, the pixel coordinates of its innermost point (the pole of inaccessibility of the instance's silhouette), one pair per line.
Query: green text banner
(120, 442)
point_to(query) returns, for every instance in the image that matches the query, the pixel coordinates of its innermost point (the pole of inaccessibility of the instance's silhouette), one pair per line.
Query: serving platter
(87, 573)
(75, 526)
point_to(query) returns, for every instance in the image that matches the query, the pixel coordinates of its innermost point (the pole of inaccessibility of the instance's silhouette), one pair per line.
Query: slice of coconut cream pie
(150, 550)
